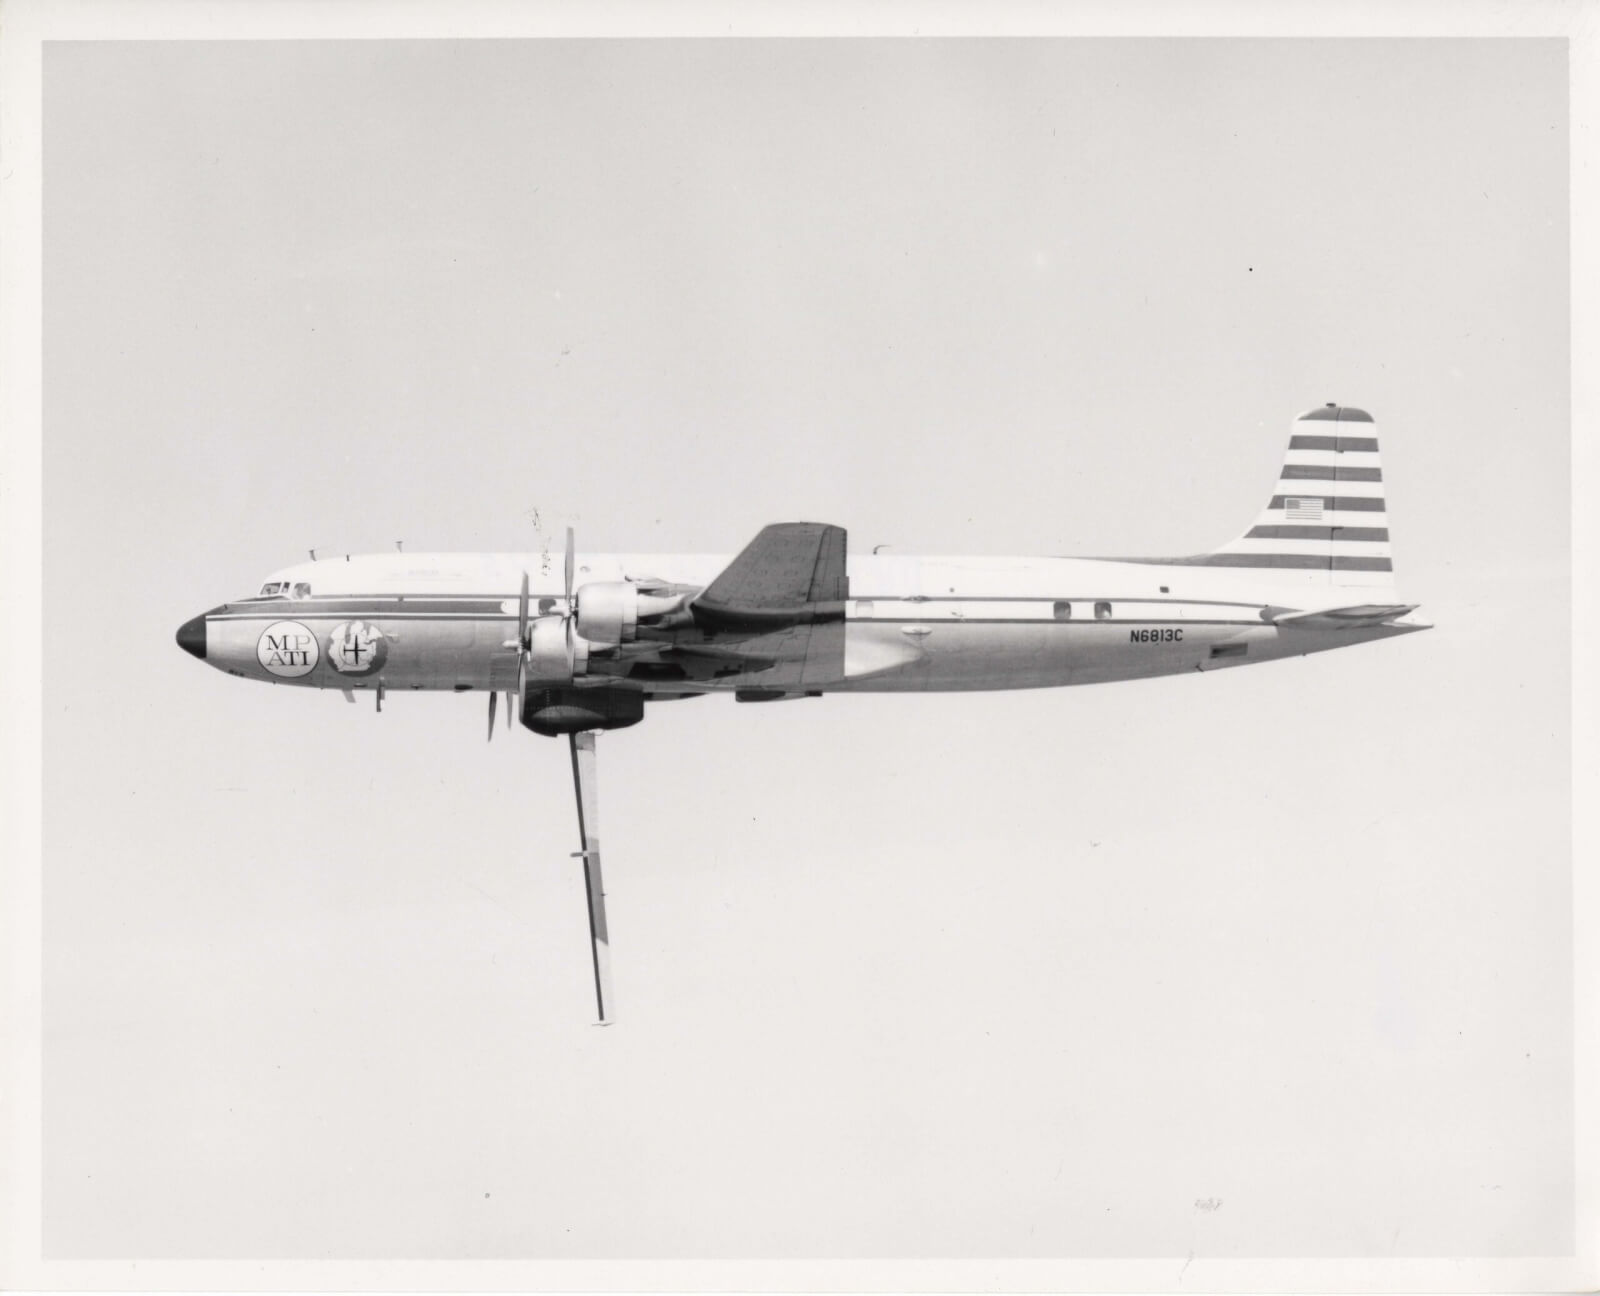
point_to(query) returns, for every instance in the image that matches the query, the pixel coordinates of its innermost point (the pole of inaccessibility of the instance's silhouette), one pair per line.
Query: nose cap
(192, 636)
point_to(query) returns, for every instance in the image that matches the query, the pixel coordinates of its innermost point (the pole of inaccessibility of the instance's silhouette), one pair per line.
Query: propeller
(572, 607)
(520, 643)
(571, 560)
(523, 643)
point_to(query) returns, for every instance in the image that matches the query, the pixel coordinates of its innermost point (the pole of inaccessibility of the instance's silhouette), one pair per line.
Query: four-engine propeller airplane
(794, 616)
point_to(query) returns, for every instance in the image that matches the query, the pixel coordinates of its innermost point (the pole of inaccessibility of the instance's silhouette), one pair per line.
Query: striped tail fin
(1326, 523)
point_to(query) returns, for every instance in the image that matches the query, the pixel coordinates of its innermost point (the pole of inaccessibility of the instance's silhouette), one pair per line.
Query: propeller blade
(511, 707)
(571, 563)
(493, 698)
(522, 613)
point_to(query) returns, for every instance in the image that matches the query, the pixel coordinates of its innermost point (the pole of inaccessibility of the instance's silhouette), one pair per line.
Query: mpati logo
(357, 648)
(288, 649)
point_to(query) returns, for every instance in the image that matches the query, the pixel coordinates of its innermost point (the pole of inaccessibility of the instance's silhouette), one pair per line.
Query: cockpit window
(274, 589)
(302, 590)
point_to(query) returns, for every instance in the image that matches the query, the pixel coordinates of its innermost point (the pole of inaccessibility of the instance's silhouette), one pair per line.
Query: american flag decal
(1296, 509)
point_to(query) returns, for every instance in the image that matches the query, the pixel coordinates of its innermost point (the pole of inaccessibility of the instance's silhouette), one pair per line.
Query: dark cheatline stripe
(509, 618)
(1332, 443)
(1344, 503)
(333, 606)
(1327, 472)
(1079, 623)
(1304, 562)
(1316, 533)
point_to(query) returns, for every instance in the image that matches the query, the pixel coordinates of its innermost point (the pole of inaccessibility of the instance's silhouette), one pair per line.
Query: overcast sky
(1005, 975)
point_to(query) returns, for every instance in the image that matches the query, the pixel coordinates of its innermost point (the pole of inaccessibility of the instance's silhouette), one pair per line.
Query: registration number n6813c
(1163, 634)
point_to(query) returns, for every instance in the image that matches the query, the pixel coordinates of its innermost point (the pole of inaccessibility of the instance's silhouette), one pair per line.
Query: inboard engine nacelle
(553, 655)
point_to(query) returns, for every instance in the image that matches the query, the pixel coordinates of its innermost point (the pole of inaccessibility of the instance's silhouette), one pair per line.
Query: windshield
(285, 589)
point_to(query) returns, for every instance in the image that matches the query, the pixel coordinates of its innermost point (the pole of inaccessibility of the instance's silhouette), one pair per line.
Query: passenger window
(1102, 611)
(863, 607)
(1062, 610)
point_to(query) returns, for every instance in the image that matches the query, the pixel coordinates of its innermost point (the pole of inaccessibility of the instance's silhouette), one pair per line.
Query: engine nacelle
(547, 652)
(572, 710)
(608, 611)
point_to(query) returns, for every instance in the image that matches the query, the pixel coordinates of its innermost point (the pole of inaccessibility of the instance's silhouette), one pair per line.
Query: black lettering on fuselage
(1163, 634)
(289, 650)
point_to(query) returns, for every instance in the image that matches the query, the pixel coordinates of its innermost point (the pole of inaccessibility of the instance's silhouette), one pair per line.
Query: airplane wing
(776, 613)
(585, 781)
(791, 573)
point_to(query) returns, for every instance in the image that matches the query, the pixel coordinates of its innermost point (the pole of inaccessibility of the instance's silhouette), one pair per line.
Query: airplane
(794, 615)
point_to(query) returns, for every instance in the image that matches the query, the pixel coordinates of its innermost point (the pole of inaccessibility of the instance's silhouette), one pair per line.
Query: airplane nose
(192, 636)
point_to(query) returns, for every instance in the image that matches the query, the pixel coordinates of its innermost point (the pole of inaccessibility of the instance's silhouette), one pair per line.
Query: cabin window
(1062, 610)
(863, 607)
(1102, 611)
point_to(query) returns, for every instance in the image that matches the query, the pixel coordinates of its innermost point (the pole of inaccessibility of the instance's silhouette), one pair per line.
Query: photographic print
(1040, 562)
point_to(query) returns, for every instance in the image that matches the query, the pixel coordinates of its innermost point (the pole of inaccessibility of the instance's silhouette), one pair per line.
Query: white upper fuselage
(912, 624)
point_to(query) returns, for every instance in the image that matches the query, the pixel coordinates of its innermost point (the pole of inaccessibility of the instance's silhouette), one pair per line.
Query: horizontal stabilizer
(1357, 617)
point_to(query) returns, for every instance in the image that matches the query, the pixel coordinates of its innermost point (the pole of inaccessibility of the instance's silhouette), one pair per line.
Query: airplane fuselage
(443, 622)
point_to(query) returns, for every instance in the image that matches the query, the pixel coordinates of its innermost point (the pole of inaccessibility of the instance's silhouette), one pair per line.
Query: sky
(1034, 974)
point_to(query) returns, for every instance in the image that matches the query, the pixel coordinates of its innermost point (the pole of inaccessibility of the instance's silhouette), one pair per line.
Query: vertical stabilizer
(1327, 520)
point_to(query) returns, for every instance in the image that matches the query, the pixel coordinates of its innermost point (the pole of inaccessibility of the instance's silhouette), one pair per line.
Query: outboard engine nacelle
(608, 611)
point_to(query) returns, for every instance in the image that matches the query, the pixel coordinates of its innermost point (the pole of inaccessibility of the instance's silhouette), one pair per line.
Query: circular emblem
(287, 649)
(357, 648)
